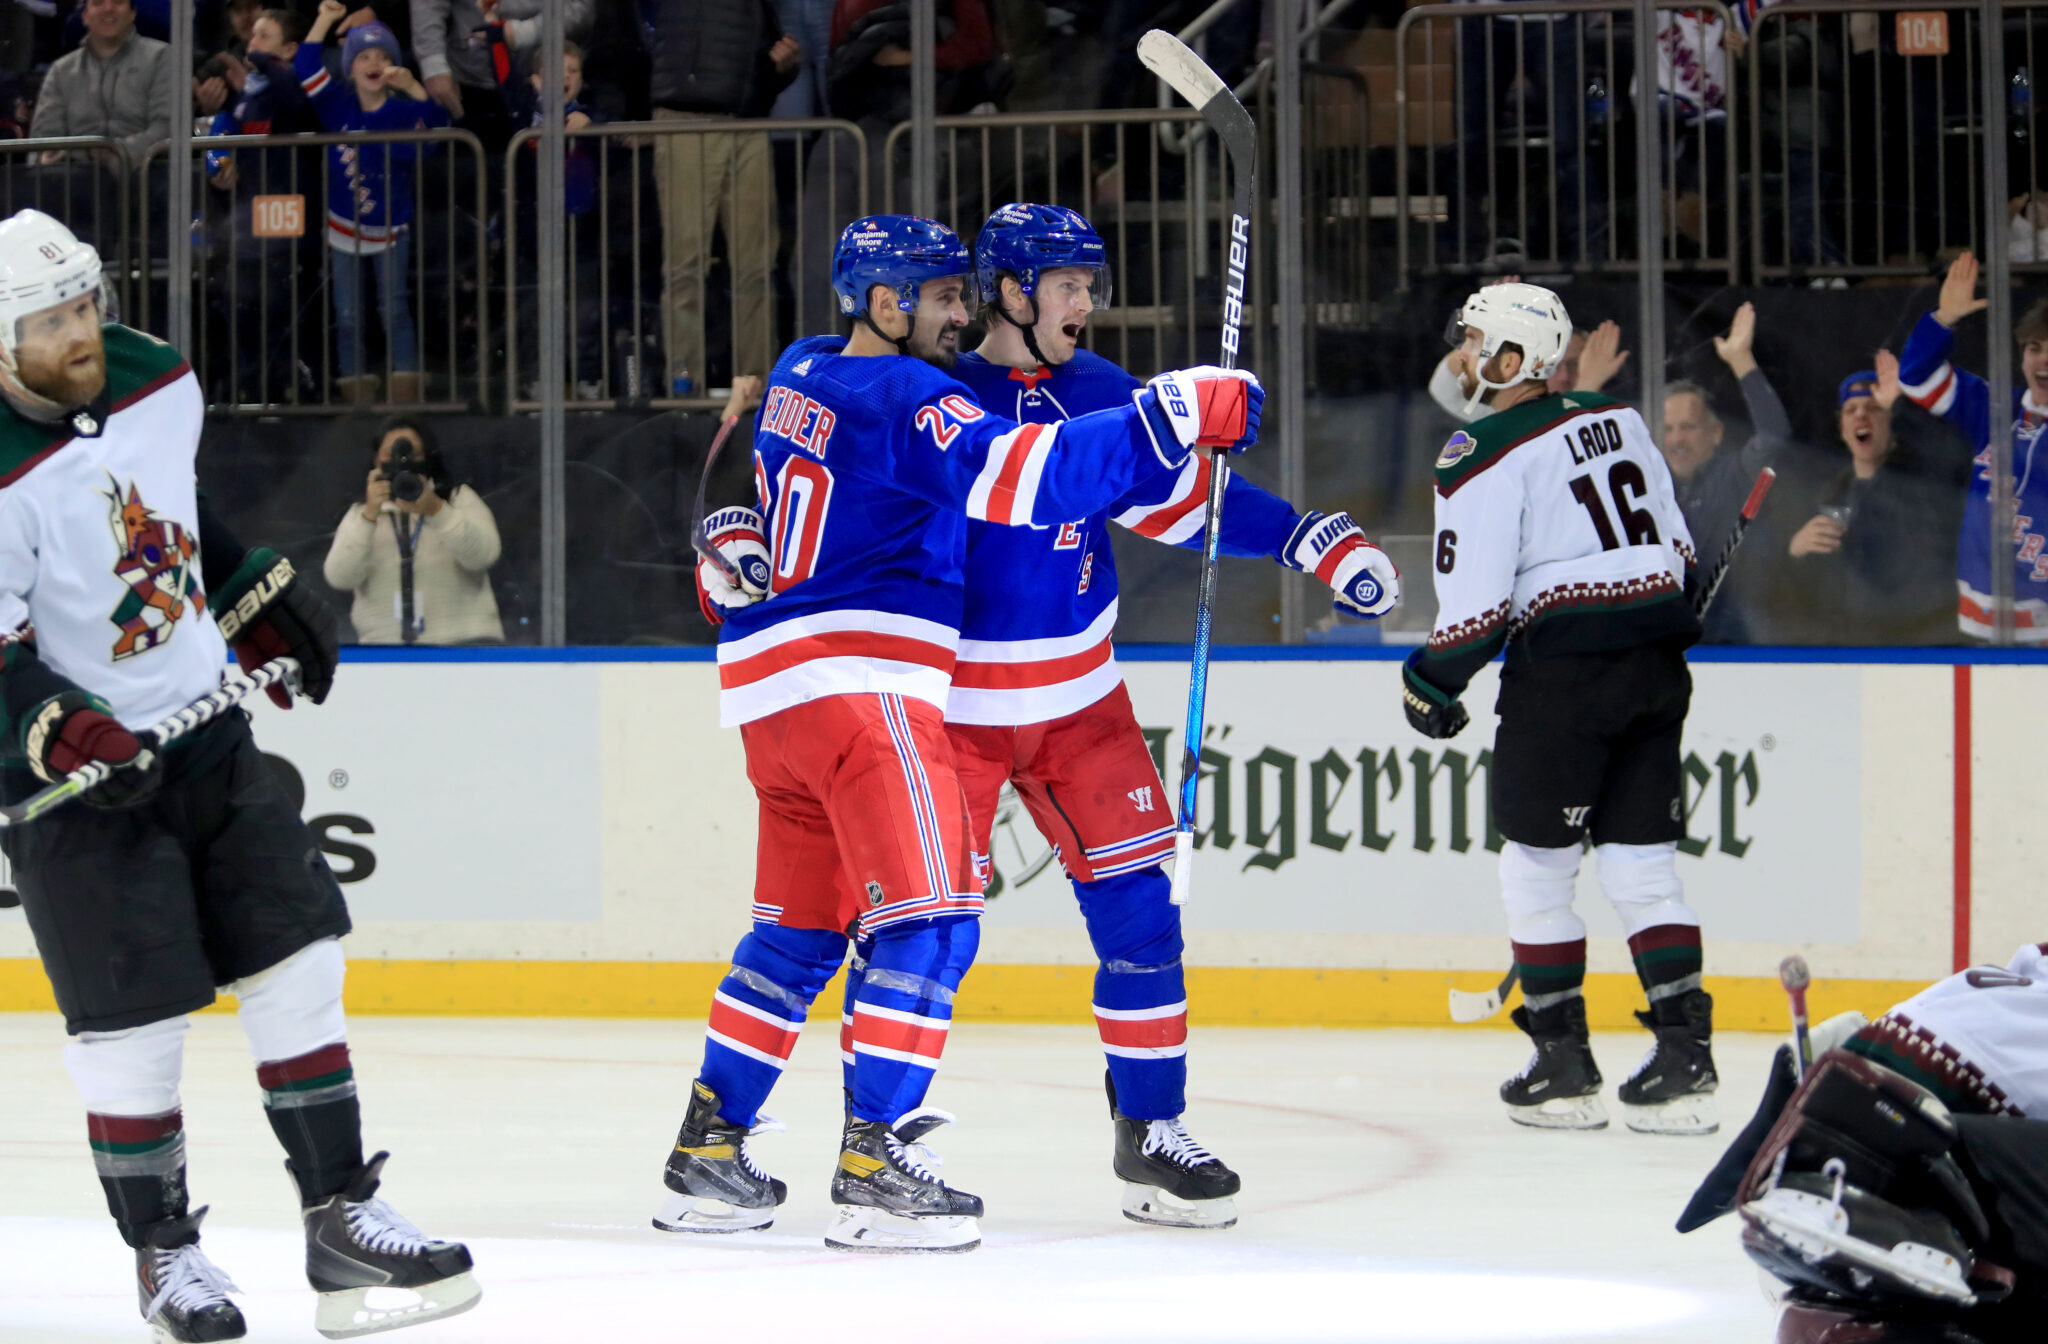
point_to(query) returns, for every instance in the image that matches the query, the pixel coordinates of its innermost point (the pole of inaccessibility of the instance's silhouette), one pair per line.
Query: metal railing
(1164, 221)
(624, 236)
(84, 180)
(1559, 177)
(266, 258)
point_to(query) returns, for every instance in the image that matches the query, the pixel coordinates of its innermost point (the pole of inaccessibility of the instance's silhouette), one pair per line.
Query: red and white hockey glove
(735, 534)
(1331, 547)
(1205, 407)
(71, 730)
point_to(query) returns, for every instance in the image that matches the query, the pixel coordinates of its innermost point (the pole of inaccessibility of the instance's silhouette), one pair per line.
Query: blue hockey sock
(1141, 1005)
(759, 1009)
(903, 1011)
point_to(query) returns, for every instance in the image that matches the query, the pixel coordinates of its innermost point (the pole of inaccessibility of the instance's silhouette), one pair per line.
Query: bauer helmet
(42, 264)
(1025, 240)
(1528, 316)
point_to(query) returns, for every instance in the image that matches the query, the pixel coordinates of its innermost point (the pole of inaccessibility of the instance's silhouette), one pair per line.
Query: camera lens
(407, 485)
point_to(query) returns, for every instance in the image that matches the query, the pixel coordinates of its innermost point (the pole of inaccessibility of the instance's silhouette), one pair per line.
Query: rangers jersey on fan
(1978, 1040)
(1041, 605)
(867, 470)
(99, 538)
(1964, 400)
(1557, 532)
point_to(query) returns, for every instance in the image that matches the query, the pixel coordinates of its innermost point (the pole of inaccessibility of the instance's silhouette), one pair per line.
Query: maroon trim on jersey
(1489, 463)
(29, 464)
(161, 382)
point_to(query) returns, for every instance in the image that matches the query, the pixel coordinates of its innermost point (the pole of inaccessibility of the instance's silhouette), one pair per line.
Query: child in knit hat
(369, 192)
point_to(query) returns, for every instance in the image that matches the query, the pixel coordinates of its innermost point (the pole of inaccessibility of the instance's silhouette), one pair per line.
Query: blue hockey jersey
(1963, 399)
(1041, 605)
(867, 471)
(369, 187)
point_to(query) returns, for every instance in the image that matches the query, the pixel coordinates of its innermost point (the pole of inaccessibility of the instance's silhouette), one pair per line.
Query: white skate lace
(916, 1159)
(377, 1226)
(762, 1125)
(1171, 1138)
(187, 1281)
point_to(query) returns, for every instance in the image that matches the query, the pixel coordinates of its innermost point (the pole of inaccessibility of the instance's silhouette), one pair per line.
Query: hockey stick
(1764, 480)
(1793, 975)
(1169, 58)
(700, 539)
(200, 712)
(1469, 1007)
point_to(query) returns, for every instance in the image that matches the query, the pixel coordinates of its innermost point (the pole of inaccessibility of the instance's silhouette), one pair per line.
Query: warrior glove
(735, 534)
(1205, 407)
(1331, 547)
(1430, 711)
(71, 730)
(265, 612)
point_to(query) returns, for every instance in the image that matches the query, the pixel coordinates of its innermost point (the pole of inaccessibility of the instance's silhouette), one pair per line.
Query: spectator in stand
(716, 59)
(17, 104)
(1516, 74)
(455, 61)
(1964, 400)
(1712, 485)
(420, 545)
(118, 84)
(579, 205)
(1872, 563)
(261, 304)
(369, 194)
(868, 83)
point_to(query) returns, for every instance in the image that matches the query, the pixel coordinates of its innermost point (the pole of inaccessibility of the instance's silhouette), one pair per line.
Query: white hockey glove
(737, 535)
(1331, 547)
(1206, 407)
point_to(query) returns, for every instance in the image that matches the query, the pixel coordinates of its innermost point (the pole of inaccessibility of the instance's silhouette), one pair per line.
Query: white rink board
(595, 811)
(1772, 796)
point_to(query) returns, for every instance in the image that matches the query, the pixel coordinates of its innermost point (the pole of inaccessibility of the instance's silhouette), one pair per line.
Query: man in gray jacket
(456, 69)
(120, 85)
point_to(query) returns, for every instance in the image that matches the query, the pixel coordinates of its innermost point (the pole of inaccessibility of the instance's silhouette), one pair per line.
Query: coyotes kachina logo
(155, 558)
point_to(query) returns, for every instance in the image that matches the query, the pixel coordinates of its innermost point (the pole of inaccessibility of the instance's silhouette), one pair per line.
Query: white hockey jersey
(99, 538)
(1978, 1039)
(1557, 532)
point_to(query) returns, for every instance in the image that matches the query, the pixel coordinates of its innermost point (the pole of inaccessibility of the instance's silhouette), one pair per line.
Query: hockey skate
(357, 1246)
(1815, 1228)
(714, 1184)
(1559, 1088)
(184, 1295)
(890, 1199)
(1672, 1090)
(1169, 1179)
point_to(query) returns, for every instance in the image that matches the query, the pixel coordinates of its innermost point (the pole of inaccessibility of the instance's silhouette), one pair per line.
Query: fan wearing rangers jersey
(841, 604)
(1038, 701)
(1937, 1113)
(188, 869)
(1559, 539)
(1928, 376)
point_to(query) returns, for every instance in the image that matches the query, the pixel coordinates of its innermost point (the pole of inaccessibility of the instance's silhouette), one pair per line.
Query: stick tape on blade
(1170, 58)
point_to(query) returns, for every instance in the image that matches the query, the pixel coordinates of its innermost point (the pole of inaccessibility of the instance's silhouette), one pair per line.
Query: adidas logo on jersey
(803, 368)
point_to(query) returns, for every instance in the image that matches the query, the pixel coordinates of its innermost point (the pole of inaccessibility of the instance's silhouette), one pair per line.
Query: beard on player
(61, 357)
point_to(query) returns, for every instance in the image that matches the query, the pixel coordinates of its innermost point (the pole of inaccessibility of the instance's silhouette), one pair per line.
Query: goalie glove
(735, 534)
(1206, 407)
(71, 730)
(265, 612)
(1331, 547)
(1430, 711)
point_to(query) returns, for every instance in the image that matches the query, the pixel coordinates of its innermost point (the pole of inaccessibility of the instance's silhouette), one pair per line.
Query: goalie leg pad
(1141, 1004)
(759, 1010)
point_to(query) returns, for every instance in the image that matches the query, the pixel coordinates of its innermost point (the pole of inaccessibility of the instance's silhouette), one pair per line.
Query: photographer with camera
(417, 551)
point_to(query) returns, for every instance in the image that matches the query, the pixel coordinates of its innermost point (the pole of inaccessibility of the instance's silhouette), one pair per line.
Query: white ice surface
(1387, 1198)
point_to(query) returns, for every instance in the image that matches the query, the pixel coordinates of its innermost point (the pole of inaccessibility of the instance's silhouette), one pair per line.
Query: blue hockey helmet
(900, 251)
(1026, 240)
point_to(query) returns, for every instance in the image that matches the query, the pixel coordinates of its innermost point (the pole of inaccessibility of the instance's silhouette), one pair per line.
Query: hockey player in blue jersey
(1038, 701)
(1964, 400)
(838, 642)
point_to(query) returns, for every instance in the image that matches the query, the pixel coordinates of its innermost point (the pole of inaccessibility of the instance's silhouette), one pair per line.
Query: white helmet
(1528, 316)
(42, 264)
